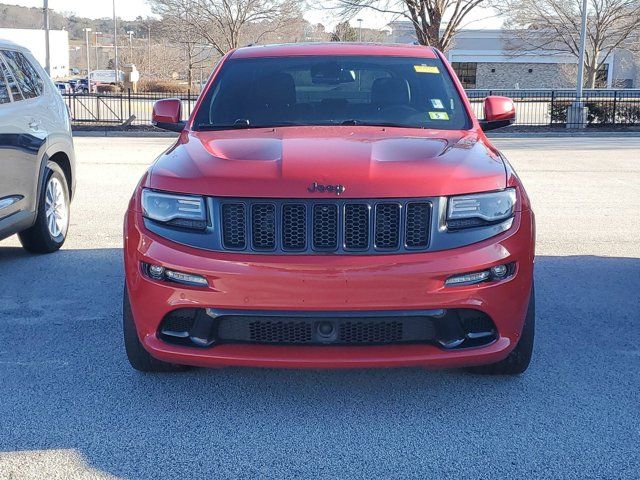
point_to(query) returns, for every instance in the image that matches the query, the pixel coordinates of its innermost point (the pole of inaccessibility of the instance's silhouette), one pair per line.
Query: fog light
(156, 271)
(186, 278)
(495, 273)
(468, 278)
(499, 271)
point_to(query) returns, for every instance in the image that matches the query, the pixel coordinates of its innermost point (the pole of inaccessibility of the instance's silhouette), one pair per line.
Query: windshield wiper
(242, 124)
(378, 124)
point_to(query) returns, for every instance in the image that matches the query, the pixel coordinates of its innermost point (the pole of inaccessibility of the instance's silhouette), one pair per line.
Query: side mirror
(498, 112)
(166, 115)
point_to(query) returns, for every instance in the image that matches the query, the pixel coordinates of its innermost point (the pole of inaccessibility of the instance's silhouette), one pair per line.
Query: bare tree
(436, 22)
(554, 26)
(178, 27)
(228, 24)
(294, 29)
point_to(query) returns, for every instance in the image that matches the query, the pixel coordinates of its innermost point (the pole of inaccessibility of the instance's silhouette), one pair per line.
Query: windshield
(332, 90)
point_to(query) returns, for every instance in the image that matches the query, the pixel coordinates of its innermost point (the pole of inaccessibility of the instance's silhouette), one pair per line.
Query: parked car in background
(37, 160)
(64, 87)
(330, 205)
(79, 85)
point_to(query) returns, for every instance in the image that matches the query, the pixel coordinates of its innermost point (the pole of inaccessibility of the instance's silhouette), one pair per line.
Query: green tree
(344, 33)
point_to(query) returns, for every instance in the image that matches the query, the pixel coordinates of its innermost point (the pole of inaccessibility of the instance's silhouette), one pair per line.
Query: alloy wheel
(56, 208)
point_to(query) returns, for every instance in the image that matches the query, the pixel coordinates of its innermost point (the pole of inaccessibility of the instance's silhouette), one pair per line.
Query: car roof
(335, 48)
(9, 45)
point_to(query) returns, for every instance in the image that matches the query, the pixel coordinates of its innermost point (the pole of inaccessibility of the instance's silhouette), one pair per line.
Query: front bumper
(330, 283)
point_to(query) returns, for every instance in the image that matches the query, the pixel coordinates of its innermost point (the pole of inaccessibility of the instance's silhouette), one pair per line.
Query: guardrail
(533, 107)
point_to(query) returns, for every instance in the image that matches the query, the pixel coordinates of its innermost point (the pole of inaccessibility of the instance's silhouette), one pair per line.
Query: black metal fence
(120, 108)
(549, 107)
(533, 107)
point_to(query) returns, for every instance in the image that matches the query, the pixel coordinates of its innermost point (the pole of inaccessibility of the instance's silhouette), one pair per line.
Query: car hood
(366, 161)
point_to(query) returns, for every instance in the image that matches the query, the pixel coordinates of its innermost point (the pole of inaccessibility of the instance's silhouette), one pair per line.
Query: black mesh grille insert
(280, 332)
(417, 228)
(294, 227)
(325, 227)
(387, 226)
(179, 320)
(370, 332)
(263, 226)
(288, 329)
(233, 226)
(473, 321)
(356, 226)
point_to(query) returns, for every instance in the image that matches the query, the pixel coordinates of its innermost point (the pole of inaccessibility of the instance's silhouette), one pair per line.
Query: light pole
(96, 42)
(359, 30)
(47, 56)
(86, 37)
(149, 49)
(583, 41)
(577, 114)
(115, 44)
(130, 33)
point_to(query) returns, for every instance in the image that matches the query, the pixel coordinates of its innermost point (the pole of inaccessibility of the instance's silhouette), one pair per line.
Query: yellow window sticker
(426, 69)
(438, 115)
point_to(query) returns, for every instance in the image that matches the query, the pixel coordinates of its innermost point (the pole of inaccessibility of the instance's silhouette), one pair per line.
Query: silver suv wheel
(56, 208)
(49, 230)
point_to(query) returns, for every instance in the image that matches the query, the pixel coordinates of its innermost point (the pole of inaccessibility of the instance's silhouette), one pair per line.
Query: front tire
(520, 357)
(138, 357)
(49, 231)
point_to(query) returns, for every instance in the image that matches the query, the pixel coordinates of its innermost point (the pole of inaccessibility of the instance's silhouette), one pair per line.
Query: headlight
(480, 209)
(186, 211)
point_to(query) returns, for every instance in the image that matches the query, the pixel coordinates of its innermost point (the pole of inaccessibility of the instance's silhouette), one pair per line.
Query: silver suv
(37, 160)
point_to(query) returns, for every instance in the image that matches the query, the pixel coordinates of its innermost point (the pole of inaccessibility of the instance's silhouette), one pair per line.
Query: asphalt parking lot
(71, 407)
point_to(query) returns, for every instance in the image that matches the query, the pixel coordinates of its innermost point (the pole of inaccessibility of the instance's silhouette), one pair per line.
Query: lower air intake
(279, 332)
(455, 328)
(179, 321)
(370, 332)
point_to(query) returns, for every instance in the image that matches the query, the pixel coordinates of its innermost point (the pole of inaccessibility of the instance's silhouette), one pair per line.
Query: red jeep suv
(327, 206)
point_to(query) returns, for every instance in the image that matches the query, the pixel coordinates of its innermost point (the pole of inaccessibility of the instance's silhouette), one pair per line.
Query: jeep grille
(325, 226)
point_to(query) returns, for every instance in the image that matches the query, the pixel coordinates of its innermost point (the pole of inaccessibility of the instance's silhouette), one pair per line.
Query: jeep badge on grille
(316, 187)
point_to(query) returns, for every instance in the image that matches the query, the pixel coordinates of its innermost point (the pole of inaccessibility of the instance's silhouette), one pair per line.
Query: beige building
(482, 60)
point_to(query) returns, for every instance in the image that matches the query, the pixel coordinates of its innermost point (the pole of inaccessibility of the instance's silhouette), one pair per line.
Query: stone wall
(525, 75)
(635, 77)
